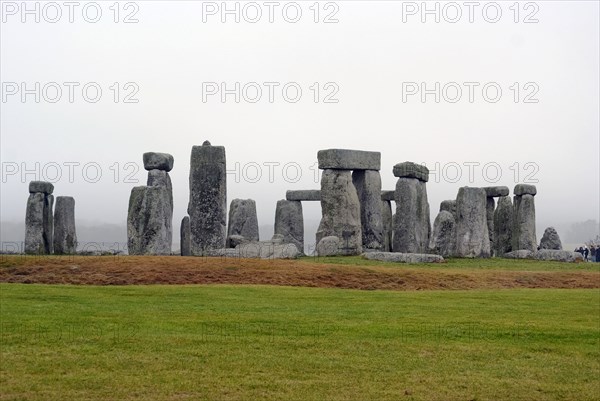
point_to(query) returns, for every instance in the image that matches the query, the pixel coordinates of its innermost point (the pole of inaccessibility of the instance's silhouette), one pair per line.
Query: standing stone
(340, 209)
(388, 227)
(412, 226)
(472, 237)
(551, 240)
(490, 206)
(368, 189)
(242, 220)
(523, 235)
(503, 221)
(65, 236)
(443, 237)
(207, 207)
(149, 230)
(289, 222)
(38, 218)
(449, 206)
(184, 234)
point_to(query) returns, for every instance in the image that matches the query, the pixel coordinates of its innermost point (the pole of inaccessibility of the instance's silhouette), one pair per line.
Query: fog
(367, 81)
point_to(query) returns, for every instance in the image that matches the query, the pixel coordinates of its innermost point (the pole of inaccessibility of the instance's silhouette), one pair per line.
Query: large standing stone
(388, 226)
(411, 225)
(490, 206)
(472, 238)
(207, 207)
(551, 240)
(443, 237)
(289, 222)
(149, 230)
(503, 221)
(65, 236)
(184, 234)
(243, 220)
(368, 189)
(340, 209)
(39, 220)
(523, 235)
(346, 159)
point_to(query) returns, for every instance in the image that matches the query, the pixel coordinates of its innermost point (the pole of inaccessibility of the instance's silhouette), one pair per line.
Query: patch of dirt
(129, 270)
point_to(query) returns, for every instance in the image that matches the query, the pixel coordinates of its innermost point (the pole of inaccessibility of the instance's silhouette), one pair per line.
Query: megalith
(289, 222)
(503, 223)
(523, 235)
(472, 237)
(242, 220)
(39, 219)
(65, 236)
(551, 240)
(368, 189)
(184, 235)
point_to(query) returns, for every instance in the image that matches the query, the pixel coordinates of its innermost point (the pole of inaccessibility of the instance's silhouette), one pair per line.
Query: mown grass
(275, 343)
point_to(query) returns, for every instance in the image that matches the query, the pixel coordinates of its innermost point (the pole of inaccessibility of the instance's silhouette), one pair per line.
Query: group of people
(593, 250)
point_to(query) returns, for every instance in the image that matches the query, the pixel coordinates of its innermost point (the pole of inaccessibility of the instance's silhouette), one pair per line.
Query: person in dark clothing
(586, 252)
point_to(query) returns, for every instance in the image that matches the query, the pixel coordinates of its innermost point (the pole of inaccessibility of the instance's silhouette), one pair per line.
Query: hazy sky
(375, 61)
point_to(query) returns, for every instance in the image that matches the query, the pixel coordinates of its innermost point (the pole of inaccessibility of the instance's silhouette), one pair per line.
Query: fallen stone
(550, 240)
(368, 189)
(303, 195)
(329, 246)
(243, 220)
(267, 250)
(503, 223)
(346, 159)
(65, 236)
(411, 170)
(443, 236)
(403, 257)
(289, 222)
(235, 240)
(158, 161)
(525, 189)
(472, 237)
(41, 186)
(496, 191)
(558, 255)
(184, 232)
(412, 225)
(520, 254)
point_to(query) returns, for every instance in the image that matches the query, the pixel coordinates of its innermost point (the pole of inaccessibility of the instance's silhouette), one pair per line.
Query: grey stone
(443, 236)
(411, 170)
(449, 206)
(158, 161)
(207, 207)
(368, 189)
(41, 186)
(412, 225)
(65, 235)
(388, 195)
(184, 232)
(346, 159)
(496, 191)
(524, 189)
(522, 254)
(558, 255)
(329, 246)
(159, 178)
(550, 240)
(388, 227)
(523, 232)
(149, 221)
(303, 195)
(243, 220)
(403, 257)
(289, 222)
(503, 222)
(223, 252)
(235, 240)
(278, 239)
(39, 224)
(490, 207)
(340, 210)
(267, 250)
(472, 237)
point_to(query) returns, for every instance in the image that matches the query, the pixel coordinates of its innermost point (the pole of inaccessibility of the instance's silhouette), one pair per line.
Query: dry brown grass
(128, 270)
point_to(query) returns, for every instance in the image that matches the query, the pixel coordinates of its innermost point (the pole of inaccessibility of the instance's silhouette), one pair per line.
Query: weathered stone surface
(289, 222)
(340, 209)
(448, 206)
(303, 195)
(503, 223)
(278, 239)
(223, 252)
(329, 246)
(496, 191)
(149, 221)
(267, 250)
(207, 207)
(368, 189)
(65, 235)
(184, 233)
(524, 189)
(472, 237)
(490, 207)
(346, 159)
(523, 232)
(403, 257)
(235, 240)
(550, 240)
(522, 254)
(388, 226)
(412, 225)
(159, 178)
(443, 236)
(546, 254)
(41, 186)
(39, 224)
(243, 220)
(388, 196)
(411, 170)
(158, 161)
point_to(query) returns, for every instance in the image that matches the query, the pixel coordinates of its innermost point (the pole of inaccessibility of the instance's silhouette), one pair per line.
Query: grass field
(225, 342)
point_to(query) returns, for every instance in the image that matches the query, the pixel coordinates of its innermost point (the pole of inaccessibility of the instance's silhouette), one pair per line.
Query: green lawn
(279, 343)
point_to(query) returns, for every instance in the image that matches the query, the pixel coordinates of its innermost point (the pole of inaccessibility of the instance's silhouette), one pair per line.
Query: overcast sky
(361, 80)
